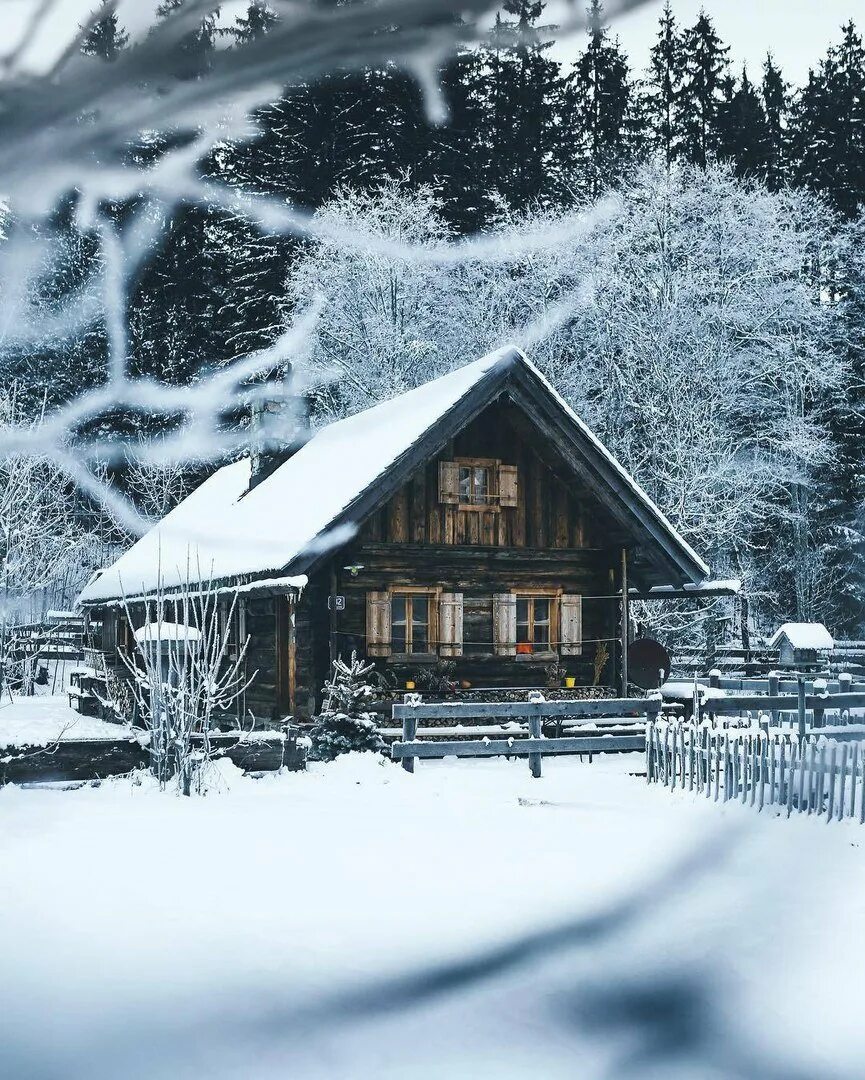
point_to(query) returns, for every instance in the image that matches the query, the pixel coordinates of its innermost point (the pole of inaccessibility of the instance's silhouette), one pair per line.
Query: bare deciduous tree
(184, 675)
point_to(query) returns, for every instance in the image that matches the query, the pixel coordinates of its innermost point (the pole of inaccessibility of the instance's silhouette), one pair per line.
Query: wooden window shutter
(378, 624)
(507, 485)
(449, 483)
(505, 624)
(451, 624)
(571, 624)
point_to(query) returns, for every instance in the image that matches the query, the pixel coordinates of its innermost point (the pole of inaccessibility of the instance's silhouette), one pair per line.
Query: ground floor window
(534, 624)
(410, 623)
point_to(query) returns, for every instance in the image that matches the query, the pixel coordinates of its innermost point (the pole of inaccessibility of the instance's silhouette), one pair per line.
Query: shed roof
(314, 501)
(803, 635)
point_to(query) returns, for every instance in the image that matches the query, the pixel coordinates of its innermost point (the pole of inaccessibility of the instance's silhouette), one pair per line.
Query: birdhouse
(802, 643)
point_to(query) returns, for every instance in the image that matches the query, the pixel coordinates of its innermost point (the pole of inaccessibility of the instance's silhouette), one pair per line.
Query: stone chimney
(278, 425)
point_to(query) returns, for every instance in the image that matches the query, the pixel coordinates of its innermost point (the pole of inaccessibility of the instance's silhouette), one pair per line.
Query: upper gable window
(477, 484)
(475, 488)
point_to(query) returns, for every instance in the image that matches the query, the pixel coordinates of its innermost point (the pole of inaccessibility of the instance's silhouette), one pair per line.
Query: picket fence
(761, 769)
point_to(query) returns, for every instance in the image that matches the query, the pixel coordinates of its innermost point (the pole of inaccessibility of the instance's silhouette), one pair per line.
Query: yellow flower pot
(570, 681)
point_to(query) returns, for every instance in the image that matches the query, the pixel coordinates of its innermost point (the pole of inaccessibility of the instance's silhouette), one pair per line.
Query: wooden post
(830, 813)
(773, 748)
(714, 684)
(843, 783)
(334, 645)
(745, 630)
(535, 758)
(651, 766)
(803, 761)
(625, 622)
(845, 680)
(763, 765)
(774, 683)
(409, 732)
(801, 709)
(820, 690)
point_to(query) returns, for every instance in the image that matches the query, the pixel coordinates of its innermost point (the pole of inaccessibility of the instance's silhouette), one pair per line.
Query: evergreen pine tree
(705, 64)
(525, 104)
(254, 23)
(775, 93)
(601, 95)
(828, 125)
(177, 304)
(663, 86)
(460, 150)
(105, 37)
(195, 48)
(743, 136)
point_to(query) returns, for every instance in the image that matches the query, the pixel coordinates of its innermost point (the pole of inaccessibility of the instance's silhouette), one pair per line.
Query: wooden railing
(530, 715)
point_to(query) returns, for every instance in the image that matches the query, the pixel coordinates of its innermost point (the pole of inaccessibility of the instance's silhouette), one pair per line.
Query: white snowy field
(467, 920)
(47, 718)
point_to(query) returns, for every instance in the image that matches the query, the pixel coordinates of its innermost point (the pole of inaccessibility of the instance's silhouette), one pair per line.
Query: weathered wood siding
(551, 512)
(478, 577)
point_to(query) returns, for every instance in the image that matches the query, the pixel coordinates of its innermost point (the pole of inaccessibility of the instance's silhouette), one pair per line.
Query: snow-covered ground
(356, 921)
(45, 719)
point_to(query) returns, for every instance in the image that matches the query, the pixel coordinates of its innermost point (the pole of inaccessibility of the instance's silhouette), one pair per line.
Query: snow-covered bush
(343, 724)
(336, 733)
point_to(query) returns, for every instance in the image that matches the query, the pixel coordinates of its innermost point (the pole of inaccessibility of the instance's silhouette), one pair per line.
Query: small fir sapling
(343, 724)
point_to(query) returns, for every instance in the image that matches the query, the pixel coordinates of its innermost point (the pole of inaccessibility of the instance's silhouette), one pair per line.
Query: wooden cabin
(473, 525)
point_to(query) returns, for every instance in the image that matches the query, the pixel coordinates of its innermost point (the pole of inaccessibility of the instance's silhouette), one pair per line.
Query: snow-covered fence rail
(758, 768)
(691, 661)
(776, 683)
(530, 741)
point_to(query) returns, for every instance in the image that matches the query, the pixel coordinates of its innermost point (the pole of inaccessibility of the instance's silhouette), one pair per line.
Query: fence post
(801, 709)
(774, 684)
(821, 690)
(843, 784)
(409, 730)
(831, 809)
(535, 758)
(845, 685)
(714, 684)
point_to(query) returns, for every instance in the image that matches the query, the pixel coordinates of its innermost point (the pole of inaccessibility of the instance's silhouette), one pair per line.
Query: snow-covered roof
(803, 635)
(222, 530)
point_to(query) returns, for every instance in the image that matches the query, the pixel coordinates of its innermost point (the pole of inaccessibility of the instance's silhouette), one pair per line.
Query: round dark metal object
(648, 663)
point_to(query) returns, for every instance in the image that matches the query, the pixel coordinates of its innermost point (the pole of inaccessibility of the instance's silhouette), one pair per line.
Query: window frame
(432, 598)
(531, 595)
(489, 502)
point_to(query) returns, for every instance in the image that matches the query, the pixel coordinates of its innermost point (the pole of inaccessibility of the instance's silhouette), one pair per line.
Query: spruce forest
(718, 346)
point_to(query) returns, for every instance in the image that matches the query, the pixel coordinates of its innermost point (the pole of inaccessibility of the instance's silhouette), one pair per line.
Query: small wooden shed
(802, 643)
